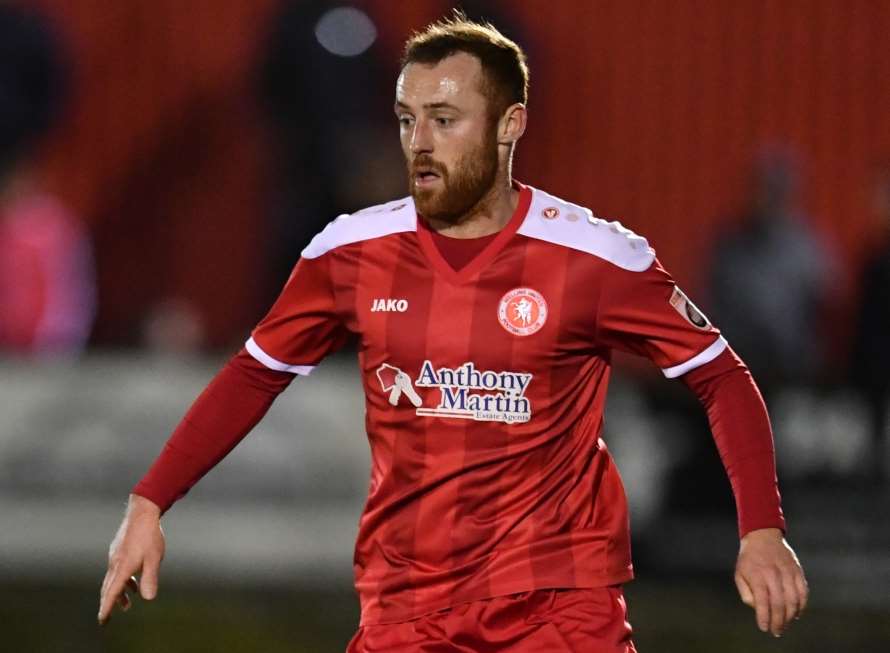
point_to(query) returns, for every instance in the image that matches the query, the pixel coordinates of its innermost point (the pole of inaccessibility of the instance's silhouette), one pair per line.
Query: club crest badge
(522, 311)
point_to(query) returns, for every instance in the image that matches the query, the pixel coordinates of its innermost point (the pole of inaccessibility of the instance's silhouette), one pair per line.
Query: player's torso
(484, 396)
(506, 353)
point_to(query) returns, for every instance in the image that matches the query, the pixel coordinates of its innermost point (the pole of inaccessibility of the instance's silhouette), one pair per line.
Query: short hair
(503, 62)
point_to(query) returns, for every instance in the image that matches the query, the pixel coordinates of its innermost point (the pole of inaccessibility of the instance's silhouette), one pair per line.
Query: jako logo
(389, 306)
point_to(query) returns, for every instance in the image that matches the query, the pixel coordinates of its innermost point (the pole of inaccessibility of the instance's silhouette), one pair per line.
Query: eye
(443, 122)
(405, 121)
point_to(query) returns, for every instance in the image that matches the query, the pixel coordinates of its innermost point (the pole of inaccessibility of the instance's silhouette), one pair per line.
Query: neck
(488, 216)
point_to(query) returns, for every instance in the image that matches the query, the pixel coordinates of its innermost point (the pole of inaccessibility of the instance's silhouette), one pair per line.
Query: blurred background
(163, 163)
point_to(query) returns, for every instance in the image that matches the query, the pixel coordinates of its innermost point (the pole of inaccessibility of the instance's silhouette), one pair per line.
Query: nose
(421, 137)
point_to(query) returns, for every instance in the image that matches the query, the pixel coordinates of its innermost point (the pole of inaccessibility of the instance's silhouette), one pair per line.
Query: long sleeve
(231, 405)
(742, 432)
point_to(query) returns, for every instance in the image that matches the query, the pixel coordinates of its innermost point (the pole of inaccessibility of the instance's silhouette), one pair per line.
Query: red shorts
(542, 621)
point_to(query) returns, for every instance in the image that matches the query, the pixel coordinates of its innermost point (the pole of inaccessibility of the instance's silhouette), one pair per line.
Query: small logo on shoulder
(522, 311)
(551, 213)
(382, 305)
(688, 310)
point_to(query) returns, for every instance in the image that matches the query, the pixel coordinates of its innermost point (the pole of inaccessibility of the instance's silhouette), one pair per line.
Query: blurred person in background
(871, 343)
(487, 311)
(173, 327)
(47, 284)
(770, 279)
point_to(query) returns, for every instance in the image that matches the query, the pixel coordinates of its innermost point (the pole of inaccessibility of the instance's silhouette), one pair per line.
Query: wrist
(763, 534)
(140, 506)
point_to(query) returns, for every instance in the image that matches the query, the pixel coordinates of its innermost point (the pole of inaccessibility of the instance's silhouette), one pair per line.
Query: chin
(428, 204)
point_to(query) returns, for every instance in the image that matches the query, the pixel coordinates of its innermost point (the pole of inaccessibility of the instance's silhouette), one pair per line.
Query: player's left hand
(770, 579)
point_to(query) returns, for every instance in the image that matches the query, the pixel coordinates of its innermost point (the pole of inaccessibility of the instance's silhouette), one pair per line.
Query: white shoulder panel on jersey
(393, 217)
(563, 223)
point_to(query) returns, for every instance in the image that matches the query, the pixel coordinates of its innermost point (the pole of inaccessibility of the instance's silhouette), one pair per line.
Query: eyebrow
(429, 105)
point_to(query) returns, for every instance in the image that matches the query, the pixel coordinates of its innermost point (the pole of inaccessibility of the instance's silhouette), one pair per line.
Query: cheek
(460, 157)
(405, 142)
(454, 149)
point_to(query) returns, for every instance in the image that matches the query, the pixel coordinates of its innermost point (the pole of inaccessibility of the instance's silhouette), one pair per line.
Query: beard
(462, 188)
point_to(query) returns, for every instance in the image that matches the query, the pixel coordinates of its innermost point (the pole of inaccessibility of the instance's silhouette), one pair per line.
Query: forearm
(231, 405)
(742, 432)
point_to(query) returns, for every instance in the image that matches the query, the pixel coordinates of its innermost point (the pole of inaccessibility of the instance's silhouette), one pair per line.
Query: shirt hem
(606, 580)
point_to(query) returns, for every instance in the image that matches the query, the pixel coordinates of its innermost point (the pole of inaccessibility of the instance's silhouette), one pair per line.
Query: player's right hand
(137, 548)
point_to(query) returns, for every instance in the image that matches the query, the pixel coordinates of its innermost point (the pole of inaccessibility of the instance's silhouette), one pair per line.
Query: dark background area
(647, 112)
(190, 150)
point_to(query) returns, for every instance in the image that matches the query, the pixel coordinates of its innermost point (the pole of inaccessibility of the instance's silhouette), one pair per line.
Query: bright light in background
(345, 31)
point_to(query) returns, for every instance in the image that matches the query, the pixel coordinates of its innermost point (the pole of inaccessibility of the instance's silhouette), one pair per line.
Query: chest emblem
(522, 311)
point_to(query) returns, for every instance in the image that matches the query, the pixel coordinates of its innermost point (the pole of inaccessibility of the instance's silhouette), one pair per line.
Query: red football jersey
(484, 393)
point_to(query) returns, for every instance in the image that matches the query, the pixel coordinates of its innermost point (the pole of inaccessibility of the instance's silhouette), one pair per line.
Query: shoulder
(557, 221)
(393, 217)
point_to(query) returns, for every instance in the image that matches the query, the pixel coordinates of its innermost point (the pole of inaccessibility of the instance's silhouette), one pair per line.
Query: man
(771, 279)
(485, 312)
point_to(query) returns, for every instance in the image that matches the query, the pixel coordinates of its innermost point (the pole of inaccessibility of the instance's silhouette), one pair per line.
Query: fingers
(770, 579)
(122, 598)
(803, 590)
(777, 604)
(792, 597)
(760, 595)
(761, 605)
(112, 588)
(744, 591)
(124, 601)
(114, 592)
(148, 583)
(777, 598)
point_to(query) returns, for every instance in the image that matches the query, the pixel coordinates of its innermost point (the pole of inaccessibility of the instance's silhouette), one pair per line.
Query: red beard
(461, 190)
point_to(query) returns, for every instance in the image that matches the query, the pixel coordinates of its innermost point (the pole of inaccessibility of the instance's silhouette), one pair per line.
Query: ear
(511, 126)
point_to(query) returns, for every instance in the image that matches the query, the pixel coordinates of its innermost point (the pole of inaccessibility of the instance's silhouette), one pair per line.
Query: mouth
(424, 176)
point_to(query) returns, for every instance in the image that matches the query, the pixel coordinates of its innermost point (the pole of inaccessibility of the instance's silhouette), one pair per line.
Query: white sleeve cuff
(698, 360)
(274, 364)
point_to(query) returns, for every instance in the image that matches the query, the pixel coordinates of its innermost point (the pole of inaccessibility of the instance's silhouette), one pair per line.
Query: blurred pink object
(47, 281)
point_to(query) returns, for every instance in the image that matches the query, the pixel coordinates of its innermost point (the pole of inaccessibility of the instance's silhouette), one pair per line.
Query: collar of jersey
(471, 269)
